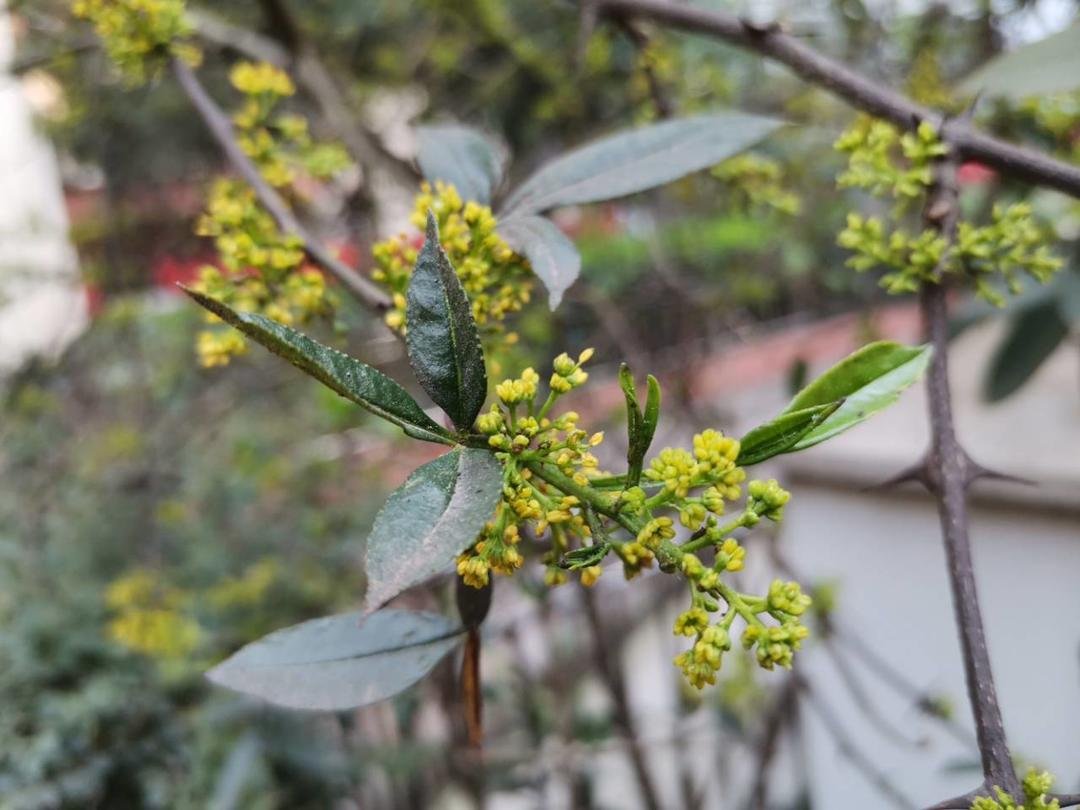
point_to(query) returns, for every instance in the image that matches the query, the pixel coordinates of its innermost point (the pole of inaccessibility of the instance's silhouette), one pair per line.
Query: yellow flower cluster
(754, 182)
(262, 269)
(702, 661)
(497, 280)
(150, 617)
(552, 486)
(775, 644)
(496, 551)
(1036, 786)
(140, 35)
(520, 429)
(250, 588)
(885, 162)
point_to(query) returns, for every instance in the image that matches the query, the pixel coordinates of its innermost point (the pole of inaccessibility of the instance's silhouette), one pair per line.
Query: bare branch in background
(610, 669)
(849, 749)
(862, 93)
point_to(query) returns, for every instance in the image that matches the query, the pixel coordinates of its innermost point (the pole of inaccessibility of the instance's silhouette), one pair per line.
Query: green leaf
(585, 557)
(782, 434)
(359, 382)
(1050, 65)
(464, 157)
(553, 257)
(640, 425)
(430, 519)
(340, 662)
(867, 381)
(441, 335)
(1032, 338)
(633, 161)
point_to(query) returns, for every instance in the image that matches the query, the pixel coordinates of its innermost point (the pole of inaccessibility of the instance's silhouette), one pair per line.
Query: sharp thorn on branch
(977, 472)
(962, 802)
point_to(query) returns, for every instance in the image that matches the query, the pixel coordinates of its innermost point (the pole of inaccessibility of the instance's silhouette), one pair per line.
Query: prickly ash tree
(524, 466)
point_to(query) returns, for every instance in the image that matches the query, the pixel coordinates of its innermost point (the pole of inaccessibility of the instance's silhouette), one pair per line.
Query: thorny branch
(812, 66)
(948, 471)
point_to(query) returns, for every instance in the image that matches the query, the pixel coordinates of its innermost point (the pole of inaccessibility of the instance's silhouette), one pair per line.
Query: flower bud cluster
(497, 280)
(888, 164)
(1036, 786)
(140, 35)
(520, 429)
(754, 182)
(260, 268)
(553, 489)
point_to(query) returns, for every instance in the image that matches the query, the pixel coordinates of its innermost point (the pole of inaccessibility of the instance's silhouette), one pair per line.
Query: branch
(316, 79)
(948, 478)
(365, 291)
(848, 748)
(816, 68)
(780, 715)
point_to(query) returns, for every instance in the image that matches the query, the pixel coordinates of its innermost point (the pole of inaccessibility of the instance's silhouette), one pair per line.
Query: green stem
(585, 494)
(701, 542)
(736, 602)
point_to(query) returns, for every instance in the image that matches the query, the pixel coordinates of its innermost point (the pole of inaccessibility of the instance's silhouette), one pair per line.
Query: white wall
(42, 303)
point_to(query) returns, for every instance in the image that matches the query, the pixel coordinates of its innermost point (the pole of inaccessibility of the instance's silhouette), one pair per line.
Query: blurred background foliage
(154, 516)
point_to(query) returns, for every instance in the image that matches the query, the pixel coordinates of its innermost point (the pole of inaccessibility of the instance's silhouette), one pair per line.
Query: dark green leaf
(867, 381)
(340, 662)
(1032, 338)
(441, 336)
(781, 434)
(430, 519)
(464, 157)
(359, 382)
(1050, 65)
(553, 257)
(634, 161)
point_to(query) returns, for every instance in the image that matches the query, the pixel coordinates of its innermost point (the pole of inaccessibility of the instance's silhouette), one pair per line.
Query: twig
(221, 128)
(860, 92)
(781, 713)
(849, 749)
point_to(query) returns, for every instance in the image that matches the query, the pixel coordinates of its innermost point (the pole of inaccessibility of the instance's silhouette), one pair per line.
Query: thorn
(962, 802)
(916, 472)
(759, 29)
(976, 472)
(969, 112)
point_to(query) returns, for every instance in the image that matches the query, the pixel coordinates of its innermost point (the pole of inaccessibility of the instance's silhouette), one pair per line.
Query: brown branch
(948, 477)
(1068, 799)
(365, 291)
(862, 93)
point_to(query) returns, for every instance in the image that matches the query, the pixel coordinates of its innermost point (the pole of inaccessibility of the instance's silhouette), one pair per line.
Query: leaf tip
(431, 236)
